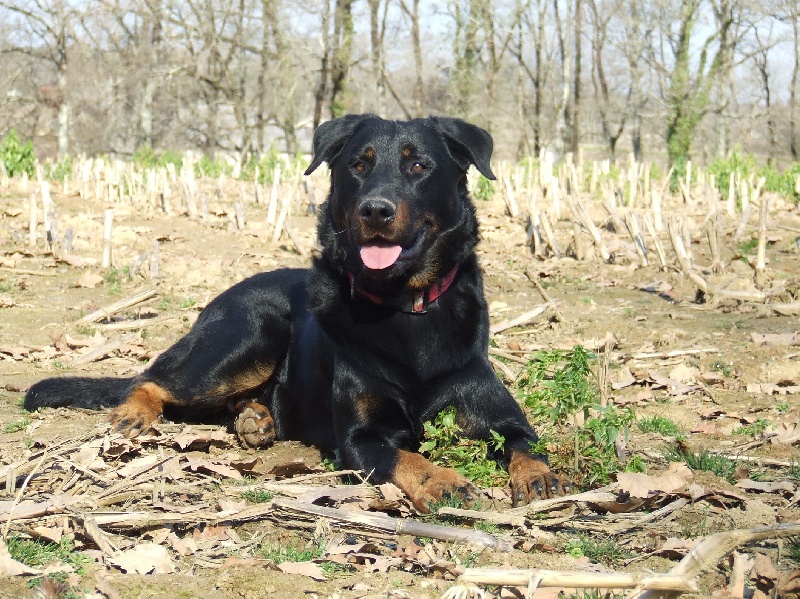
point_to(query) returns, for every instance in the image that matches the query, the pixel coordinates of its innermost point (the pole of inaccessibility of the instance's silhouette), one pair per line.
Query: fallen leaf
(684, 373)
(764, 574)
(89, 280)
(103, 586)
(309, 569)
(217, 438)
(705, 428)
(644, 485)
(765, 487)
(145, 558)
(784, 433)
(673, 547)
(775, 338)
(293, 468)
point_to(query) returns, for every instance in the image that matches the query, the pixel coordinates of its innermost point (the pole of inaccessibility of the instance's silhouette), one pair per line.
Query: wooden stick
(761, 259)
(742, 223)
(713, 548)
(594, 232)
(108, 223)
(136, 298)
(510, 198)
(522, 319)
(32, 222)
(534, 236)
(101, 352)
(662, 256)
(534, 278)
(534, 579)
(398, 526)
(711, 233)
(549, 234)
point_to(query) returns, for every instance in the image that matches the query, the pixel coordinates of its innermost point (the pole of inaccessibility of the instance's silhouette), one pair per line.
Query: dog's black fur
(346, 355)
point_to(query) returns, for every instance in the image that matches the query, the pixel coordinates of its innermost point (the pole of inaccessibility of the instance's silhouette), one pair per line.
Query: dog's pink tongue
(377, 256)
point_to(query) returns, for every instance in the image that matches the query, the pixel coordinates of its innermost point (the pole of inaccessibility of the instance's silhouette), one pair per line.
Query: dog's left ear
(330, 137)
(467, 143)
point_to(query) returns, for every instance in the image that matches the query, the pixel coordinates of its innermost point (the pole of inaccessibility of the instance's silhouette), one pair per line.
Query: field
(697, 355)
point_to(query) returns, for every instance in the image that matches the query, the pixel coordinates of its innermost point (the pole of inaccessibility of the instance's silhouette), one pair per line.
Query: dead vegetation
(688, 304)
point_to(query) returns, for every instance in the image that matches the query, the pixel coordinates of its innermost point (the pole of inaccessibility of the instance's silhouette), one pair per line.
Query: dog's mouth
(380, 254)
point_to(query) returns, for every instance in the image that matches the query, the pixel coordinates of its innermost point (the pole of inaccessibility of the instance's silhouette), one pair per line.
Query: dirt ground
(723, 375)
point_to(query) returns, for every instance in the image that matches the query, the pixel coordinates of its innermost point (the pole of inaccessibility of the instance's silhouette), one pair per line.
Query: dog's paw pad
(254, 426)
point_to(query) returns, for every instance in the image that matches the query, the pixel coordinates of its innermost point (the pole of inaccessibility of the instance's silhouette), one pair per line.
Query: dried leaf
(677, 548)
(764, 574)
(309, 569)
(766, 487)
(198, 440)
(775, 338)
(144, 558)
(644, 485)
(294, 468)
(784, 433)
(684, 373)
(89, 280)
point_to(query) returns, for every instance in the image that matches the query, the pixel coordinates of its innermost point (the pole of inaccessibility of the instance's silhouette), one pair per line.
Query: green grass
(793, 550)
(605, 551)
(290, 553)
(33, 552)
(258, 496)
(722, 466)
(661, 425)
(753, 430)
(16, 425)
(723, 368)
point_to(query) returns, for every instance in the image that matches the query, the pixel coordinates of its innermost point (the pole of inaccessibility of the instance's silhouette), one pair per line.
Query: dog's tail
(78, 392)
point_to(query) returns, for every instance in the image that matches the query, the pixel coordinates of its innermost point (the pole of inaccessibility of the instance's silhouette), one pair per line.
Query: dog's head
(398, 213)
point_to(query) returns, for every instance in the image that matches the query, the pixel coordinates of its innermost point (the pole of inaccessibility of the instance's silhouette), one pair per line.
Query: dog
(386, 329)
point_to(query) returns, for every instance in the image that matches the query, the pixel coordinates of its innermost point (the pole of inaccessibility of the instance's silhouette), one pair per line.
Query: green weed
(290, 553)
(17, 157)
(722, 368)
(444, 444)
(661, 425)
(484, 189)
(722, 466)
(16, 425)
(753, 430)
(558, 387)
(258, 496)
(605, 551)
(33, 552)
(793, 550)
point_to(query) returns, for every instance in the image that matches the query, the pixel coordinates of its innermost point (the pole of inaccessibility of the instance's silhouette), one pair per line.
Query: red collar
(411, 302)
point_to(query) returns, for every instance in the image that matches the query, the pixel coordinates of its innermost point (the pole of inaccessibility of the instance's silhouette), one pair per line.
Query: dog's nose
(376, 212)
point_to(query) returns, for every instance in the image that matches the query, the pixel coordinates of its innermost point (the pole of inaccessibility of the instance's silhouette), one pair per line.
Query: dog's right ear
(330, 137)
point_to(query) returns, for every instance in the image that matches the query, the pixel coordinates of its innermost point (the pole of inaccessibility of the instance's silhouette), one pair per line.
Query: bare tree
(46, 34)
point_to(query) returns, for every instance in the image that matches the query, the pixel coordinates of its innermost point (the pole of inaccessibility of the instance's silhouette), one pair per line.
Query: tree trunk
(321, 92)
(576, 85)
(64, 106)
(793, 143)
(342, 53)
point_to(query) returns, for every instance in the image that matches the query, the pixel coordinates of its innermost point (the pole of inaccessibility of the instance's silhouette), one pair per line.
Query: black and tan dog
(389, 327)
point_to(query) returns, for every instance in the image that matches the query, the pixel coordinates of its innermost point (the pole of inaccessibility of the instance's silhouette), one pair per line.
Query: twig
(522, 319)
(384, 523)
(715, 547)
(24, 271)
(534, 278)
(673, 353)
(101, 352)
(21, 490)
(136, 298)
(579, 580)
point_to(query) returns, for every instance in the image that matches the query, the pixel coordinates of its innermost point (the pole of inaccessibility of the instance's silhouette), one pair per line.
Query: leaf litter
(187, 499)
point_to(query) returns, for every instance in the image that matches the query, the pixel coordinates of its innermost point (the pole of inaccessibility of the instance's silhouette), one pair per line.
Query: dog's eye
(417, 167)
(359, 167)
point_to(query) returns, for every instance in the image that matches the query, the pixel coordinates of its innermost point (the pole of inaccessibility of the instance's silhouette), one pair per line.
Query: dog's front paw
(531, 479)
(132, 419)
(427, 484)
(254, 425)
(141, 410)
